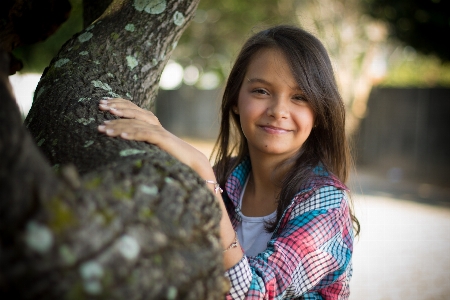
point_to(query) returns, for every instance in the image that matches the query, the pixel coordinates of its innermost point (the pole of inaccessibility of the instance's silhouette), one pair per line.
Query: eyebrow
(256, 79)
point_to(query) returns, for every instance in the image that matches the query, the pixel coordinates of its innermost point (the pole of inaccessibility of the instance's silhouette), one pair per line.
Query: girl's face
(275, 116)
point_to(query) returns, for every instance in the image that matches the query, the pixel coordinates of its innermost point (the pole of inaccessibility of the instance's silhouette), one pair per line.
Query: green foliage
(418, 71)
(37, 57)
(220, 27)
(422, 24)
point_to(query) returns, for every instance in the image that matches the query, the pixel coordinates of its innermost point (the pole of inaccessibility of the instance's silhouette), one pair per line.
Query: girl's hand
(142, 125)
(127, 109)
(135, 123)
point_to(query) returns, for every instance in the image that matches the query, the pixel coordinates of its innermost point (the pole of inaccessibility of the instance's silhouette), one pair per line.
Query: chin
(278, 152)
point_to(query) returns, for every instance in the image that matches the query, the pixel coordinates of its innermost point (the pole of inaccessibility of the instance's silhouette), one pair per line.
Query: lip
(273, 129)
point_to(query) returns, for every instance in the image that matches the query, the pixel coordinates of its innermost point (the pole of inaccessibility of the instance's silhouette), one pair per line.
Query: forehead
(272, 66)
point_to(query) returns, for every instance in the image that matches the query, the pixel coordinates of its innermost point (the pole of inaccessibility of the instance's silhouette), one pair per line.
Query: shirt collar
(236, 181)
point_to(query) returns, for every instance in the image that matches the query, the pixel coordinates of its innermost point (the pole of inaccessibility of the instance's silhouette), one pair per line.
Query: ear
(235, 109)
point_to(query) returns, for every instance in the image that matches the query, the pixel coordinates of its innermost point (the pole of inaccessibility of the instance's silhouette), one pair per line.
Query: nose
(278, 108)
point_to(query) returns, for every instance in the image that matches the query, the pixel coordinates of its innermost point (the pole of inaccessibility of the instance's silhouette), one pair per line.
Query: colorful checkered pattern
(308, 255)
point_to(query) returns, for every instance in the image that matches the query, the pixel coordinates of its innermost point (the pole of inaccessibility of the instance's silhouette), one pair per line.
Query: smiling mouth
(274, 130)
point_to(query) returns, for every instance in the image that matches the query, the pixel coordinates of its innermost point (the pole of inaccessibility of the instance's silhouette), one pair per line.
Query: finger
(117, 100)
(112, 110)
(119, 112)
(123, 104)
(116, 127)
(132, 130)
(113, 128)
(134, 136)
(138, 114)
(118, 103)
(131, 113)
(149, 135)
(108, 131)
(103, 106)
(124, 123)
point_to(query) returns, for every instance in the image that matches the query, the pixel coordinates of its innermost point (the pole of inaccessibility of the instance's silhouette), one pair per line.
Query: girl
(282, 159)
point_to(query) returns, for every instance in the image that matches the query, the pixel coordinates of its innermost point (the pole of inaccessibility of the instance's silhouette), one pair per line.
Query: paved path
(403, 251)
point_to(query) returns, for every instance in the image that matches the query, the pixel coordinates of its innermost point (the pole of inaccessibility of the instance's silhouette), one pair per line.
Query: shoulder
(324, 198)
(228, 165)
(238, 170)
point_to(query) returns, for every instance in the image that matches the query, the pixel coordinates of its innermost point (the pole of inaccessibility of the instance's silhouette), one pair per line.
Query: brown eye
(260, 91)
(300, 98)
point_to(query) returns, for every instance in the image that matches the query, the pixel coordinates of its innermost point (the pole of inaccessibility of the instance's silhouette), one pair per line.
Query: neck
(266, 176)
(266, 170)
(263, 187)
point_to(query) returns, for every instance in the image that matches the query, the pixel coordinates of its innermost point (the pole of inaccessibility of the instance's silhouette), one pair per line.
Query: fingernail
(104, 106)
(101, 127)
(109, 131)
(124, 134)
(103, 101)
(106, 98)
(106, 121)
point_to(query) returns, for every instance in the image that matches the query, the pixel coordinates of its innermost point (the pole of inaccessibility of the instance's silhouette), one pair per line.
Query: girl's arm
(139, 124)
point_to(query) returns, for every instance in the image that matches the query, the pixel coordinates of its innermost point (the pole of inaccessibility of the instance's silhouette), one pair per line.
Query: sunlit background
(397, 96)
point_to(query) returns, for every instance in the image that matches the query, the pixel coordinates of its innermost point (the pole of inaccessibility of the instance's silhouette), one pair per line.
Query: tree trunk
(122, 54)
(137, 224)
(92, 9)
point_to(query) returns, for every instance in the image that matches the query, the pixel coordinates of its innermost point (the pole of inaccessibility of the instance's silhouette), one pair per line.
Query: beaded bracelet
(217, 188)
(234, 244)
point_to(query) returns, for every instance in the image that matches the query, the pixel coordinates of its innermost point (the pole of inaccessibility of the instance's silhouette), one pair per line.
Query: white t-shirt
(251, 232)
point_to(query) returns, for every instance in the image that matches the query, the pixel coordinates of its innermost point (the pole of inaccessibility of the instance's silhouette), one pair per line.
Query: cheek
(311, 122)
(241, 100)
(309, 115)
(247, 110)
(306, 120)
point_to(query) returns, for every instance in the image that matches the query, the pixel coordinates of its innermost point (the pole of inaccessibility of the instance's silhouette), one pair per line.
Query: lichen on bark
(116, 219)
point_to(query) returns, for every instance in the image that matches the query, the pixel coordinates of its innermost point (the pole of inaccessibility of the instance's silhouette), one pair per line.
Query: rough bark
(20, 159)
(137, 223)
(122, 54)
(92, 9)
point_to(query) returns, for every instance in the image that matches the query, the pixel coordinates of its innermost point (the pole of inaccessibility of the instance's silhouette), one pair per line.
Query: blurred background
(392, 64)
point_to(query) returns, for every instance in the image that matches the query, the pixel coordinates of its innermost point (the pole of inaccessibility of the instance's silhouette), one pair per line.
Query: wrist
(217, 188)
(233, 244)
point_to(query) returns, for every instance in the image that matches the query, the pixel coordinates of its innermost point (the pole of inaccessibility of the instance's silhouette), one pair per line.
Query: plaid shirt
(309, 253)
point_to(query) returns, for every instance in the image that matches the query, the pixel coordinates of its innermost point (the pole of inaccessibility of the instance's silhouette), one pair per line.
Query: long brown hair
(327, 143)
